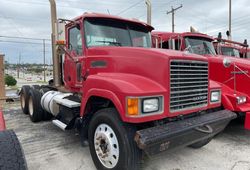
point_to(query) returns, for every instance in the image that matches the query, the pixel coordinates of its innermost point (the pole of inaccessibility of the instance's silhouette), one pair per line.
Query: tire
(201, 143)
(36, 87)
(124, 151)
(44, 90)
(24, 99)
(35, 108)
(11, 152)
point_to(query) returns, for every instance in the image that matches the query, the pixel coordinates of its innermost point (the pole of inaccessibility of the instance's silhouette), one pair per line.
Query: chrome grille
(188, 84)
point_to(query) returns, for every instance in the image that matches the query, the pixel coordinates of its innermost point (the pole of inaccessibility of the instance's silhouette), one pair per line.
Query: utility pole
(44, 73)
(173, 12)
(230, 21)
(149, 11)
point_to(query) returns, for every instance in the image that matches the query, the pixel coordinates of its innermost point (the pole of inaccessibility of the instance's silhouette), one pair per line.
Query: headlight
(142, 106)
(215, 96)
(241, 99)
(150, 105)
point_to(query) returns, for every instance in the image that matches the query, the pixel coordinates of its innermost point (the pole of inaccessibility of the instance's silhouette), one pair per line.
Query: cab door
(74, 60)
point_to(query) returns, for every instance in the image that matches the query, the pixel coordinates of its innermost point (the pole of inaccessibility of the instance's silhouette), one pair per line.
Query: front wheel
(111, 142)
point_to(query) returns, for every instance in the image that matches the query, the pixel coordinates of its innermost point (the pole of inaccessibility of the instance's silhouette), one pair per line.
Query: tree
(10, 81)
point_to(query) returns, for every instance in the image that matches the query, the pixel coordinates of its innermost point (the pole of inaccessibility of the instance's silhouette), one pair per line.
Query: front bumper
(243, 107)
(182, 133)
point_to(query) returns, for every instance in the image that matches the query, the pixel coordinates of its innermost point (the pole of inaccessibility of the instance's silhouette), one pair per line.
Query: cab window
(75, 40)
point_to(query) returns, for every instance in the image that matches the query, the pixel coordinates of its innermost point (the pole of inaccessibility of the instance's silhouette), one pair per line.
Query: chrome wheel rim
(31, 109)
(106, 146)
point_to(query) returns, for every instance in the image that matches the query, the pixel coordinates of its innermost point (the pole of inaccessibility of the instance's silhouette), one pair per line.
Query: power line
(26, 38)
(239, 25)
(135, 4)
(45, 4)
(21, 42)
(158, 8)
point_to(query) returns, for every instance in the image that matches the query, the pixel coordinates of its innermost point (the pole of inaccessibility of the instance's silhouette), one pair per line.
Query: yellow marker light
(60, 42)
(132, 106)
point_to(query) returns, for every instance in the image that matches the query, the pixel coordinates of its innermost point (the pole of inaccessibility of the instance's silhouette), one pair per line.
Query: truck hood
(240, 68)
(147, 62)
(137, 52)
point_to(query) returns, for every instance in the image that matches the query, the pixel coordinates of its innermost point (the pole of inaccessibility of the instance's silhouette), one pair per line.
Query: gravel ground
(46, 147)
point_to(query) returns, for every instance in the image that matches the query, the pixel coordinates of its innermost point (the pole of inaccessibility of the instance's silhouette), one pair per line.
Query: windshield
(107, 32)
(199, 45)
(229, 51)
(248, 54)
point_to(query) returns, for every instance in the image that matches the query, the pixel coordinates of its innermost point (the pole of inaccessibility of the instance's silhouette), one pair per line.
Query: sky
(31, 19)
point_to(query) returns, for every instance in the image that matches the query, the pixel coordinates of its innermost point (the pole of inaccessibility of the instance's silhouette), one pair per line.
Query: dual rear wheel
(30, 97)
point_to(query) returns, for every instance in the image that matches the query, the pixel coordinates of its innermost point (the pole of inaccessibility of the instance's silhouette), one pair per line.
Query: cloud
(29, 18)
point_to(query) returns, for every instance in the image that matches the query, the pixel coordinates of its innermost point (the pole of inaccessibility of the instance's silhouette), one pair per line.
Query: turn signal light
(60, 42)
(132, 106)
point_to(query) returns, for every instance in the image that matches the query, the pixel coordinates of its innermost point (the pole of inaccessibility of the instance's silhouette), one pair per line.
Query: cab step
(68, 103)
(60, 124)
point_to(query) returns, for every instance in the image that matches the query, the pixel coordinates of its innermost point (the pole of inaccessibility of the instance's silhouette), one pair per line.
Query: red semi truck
(11, 153)
(123, 96)
(231, 48)
(231, 72)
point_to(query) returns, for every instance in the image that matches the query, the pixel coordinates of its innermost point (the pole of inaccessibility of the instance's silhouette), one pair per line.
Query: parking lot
(46, 147)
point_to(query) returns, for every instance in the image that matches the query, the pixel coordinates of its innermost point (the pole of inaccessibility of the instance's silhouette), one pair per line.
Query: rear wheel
(201, 143)
(24, 98)
(111, 142)
(36, 87)
(35, 109)
(11, 153)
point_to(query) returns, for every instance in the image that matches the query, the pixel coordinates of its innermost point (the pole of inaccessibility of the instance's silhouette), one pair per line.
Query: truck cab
(123, 96)
(231, 72)
(231, 48)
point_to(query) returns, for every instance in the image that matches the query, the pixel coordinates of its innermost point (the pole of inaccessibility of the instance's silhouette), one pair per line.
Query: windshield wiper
(111, 43)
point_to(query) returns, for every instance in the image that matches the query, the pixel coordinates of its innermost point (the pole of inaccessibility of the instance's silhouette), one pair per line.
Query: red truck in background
(231, 48)
(11, 153)
(123, 96)
(231, 72)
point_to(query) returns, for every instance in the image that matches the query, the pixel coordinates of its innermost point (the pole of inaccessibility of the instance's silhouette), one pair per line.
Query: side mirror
(227, 62)
(219, 38)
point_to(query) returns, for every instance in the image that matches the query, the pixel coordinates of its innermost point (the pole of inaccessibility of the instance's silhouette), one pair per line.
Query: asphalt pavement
(46, 147)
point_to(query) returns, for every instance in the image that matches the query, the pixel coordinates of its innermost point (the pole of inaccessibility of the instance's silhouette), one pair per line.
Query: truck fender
(116, 86)
(227, 103)
(104, 94)
(229, 98)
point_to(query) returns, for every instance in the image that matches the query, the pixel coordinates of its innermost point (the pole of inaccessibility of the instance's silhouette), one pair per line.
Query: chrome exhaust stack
(149, 11)
(55, 55)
